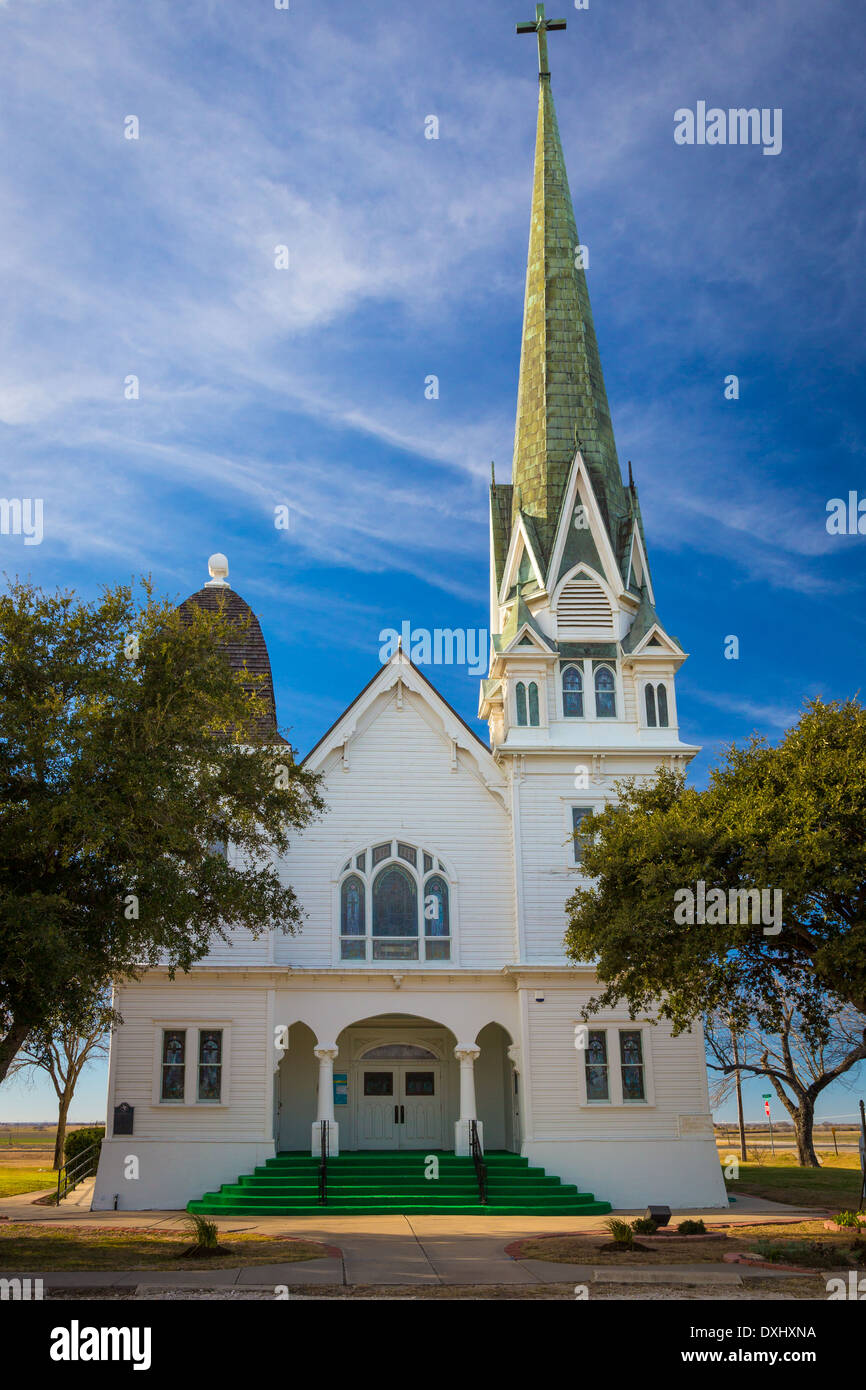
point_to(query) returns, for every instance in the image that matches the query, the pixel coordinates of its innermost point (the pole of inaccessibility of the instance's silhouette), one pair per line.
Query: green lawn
(15, 1178)
(43, 1247)
(835, 1186)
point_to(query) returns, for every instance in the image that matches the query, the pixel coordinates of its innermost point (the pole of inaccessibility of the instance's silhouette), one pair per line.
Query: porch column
(325, 1106)
(466, 1054)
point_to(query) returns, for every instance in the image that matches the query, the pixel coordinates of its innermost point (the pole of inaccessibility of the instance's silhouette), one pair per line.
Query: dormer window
(605, 693)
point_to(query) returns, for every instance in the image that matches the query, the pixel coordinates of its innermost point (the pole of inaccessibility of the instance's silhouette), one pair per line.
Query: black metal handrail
(81, 1166)
(478, 1159)
(324, 1139)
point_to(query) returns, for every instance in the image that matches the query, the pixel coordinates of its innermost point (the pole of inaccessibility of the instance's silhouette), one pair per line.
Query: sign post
(769, 1117)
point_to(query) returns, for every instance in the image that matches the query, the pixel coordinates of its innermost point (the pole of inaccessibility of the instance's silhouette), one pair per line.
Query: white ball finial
(218, 568)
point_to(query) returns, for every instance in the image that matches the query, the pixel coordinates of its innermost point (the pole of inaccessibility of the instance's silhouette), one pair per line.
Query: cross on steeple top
(540, 26)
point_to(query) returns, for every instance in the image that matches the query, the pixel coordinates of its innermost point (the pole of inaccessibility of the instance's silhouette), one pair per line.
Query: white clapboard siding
(546, 855)
(678, 1073)
(248, 1114)
(400, 785)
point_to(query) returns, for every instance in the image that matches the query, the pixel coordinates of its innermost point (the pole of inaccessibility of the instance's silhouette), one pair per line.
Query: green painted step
(393, 1182)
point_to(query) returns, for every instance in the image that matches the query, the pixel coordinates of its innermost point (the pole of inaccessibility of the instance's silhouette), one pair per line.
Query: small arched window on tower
(649, 696)
(605, 693)
(533, 704)
(662, 698)
(520, 702)
(572, 693)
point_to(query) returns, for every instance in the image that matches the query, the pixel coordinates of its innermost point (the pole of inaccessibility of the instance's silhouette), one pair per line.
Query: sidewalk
(400, 1251)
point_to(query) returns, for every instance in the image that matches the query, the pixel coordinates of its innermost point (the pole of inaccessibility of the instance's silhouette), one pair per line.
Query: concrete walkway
(398, 1250)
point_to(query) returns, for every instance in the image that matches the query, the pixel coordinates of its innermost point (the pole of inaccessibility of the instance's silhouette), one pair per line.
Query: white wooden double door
(399, 1105)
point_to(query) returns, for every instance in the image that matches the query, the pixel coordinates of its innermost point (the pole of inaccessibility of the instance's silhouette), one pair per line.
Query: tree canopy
(787, 819)
(128, 759)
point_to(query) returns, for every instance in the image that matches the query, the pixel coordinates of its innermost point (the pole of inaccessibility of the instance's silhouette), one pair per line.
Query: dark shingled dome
(248, 650)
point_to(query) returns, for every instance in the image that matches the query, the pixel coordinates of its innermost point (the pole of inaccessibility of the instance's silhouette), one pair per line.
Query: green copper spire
(561, 400)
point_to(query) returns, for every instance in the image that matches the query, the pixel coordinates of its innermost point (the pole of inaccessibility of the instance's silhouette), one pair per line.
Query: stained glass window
(395, 903)
(361, 862)
(381, 852)
(428, 862)
(663, 707)
(210, 1060)
(605, 693)
(173, 1064)
(597, 1087)
(436, 907)
(407, 852)
(407, 1052)
(352, 907)
(533, 704)
(520, 701)
(631, 1060)
(650, 698)
(572, 693)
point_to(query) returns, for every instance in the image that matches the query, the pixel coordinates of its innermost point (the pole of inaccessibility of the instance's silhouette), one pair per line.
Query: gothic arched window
(520, 701)
(663, 706)
(408, 905)
(650, 702)
(572, 693)
(605, 693)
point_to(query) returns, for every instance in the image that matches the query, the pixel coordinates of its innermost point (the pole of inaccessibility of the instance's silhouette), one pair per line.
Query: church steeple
(561, 400)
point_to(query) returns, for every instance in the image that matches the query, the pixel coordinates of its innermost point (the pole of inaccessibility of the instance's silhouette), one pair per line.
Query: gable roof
(399, 657)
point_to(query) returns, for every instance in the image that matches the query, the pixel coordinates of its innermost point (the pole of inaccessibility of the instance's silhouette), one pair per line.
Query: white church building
(428, 988)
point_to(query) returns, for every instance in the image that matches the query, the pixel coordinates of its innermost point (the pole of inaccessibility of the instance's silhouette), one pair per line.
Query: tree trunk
(60, 1139)
(10, 1045)
(804, 1120)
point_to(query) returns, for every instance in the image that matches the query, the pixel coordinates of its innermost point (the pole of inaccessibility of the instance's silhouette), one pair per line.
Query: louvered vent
(583, 608)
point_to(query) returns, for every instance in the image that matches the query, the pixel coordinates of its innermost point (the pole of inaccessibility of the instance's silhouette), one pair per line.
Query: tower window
(650, 701)
(533, 704)
(520, 701)
(605, 693)
(662, 695)
(572, 693)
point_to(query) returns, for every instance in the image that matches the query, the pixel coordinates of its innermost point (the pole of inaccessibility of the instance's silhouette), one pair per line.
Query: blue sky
(258, 387)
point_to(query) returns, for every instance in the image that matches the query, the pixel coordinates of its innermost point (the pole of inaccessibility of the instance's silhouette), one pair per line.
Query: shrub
(692, 1228)
(621, 1232)
(644, 1226)
(856, 1219)
(800, 1252)
(81, 1139)
(206, 1232)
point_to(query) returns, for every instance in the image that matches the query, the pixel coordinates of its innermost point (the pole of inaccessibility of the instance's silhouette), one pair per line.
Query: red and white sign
(767, 1108)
